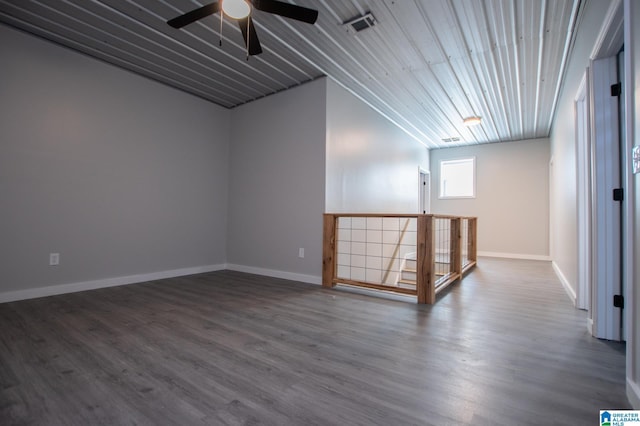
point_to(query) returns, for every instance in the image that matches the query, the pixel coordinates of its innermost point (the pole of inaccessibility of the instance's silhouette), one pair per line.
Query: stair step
(406, 284)
(408, 275)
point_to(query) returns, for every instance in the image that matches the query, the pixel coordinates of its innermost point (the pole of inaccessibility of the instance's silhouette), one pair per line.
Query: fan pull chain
(248, 35)
(221, 18)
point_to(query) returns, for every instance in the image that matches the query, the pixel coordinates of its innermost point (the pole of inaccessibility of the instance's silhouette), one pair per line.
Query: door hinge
(616, 89)
(618, 301)
(618, 194)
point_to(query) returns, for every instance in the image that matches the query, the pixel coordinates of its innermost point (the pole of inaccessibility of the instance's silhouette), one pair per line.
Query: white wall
(119, 174)
(372, 165)
(276, 192)
(564, 239)
(512, 196)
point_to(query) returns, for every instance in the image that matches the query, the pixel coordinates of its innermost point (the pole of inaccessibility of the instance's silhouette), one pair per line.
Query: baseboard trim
(565, 283)
(633, 394)
(514, 255)
(33, 293)
(311, 279)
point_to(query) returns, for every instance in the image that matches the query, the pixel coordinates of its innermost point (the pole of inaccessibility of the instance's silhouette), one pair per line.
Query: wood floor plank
(503, 347)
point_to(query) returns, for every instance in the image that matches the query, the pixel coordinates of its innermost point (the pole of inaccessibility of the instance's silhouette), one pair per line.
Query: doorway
(424, 189)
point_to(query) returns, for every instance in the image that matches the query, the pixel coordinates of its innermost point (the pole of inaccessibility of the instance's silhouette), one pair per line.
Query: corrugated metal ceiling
(425, 65)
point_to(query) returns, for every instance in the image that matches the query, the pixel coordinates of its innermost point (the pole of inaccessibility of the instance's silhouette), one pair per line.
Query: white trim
(515, 255)
(581, 93)
(311, 279)
(631, 14)
(602, 46)
(475, 176)
(32, 293)
(583, 199)
(551, 215)
(633, 393)
(565, 283)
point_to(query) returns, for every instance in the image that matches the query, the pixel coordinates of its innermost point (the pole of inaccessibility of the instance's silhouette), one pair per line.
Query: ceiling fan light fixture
(472, 121)
(236, 9)
(240, 11)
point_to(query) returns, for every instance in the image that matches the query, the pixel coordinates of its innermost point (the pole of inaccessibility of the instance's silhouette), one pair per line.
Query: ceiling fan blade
(252, 39)
(287, 10)
(194, 15)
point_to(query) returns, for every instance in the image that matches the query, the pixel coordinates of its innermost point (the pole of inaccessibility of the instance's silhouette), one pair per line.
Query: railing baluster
(455, 251)
(473, 239)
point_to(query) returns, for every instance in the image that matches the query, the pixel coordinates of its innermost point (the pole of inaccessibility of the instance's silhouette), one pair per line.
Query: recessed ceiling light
(472, 121)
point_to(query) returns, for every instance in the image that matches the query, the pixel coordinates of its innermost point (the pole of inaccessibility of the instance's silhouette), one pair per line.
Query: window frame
(473, 177)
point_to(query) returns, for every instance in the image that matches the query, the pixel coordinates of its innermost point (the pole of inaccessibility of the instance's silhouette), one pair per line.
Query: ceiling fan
(240, 10)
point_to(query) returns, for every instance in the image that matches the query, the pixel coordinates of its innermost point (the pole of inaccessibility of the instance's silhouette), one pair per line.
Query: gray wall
(564, 216)
(276, 192)
(119, 174)
(130, 180)
(512, 196)
(372, 165)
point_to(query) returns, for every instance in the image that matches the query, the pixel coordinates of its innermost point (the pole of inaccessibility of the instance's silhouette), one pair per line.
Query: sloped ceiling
(425, 65)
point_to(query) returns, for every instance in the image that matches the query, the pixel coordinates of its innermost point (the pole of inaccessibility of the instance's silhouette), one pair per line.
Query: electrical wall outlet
(54, 259)
(301, 252)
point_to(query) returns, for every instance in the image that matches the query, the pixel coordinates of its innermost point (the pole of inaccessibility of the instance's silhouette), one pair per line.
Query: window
(458, 178)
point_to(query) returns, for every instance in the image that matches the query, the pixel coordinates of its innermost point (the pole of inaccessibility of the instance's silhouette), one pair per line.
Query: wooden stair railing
(426, 285)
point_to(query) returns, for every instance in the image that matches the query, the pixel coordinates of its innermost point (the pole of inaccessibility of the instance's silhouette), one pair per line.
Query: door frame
(424, 191)
(631, 12)
(606, 252)
(583, 198)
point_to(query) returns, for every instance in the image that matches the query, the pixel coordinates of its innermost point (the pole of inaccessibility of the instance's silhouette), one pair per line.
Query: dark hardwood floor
(504, 347)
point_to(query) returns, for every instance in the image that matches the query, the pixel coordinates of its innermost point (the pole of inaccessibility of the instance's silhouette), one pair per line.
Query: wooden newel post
(425, 280)
(472, 238)
(329, 251)
(455, 257)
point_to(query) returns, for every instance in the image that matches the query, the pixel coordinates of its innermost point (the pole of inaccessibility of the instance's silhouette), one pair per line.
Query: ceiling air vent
(452, 139)
(360, 23)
